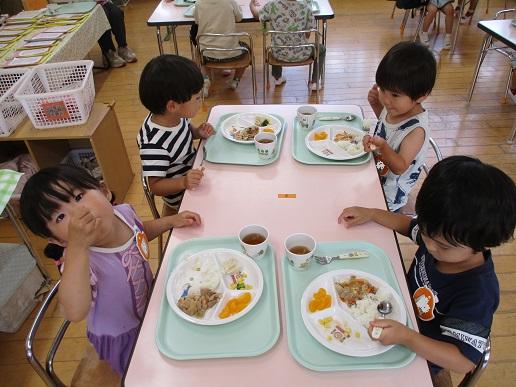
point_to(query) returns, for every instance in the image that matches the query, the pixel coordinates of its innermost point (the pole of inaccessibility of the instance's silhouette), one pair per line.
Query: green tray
(251, 335)
(302, 154)
(189, 11)
(305, 349)
(223, 151)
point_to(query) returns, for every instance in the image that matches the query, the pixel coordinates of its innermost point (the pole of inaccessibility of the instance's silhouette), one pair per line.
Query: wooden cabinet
(101, 133)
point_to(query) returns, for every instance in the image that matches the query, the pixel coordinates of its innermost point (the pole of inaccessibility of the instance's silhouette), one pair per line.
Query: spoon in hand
(384, 307)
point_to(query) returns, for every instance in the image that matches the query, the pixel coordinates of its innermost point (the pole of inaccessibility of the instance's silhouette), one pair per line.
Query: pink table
(232, 196)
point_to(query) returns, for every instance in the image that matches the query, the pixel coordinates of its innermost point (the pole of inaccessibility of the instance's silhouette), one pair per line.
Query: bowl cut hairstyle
(468, 203)
(408, 68)
(168, 78)
(46, 189)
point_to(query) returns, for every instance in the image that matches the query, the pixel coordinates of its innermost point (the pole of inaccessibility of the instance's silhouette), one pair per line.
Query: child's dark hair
(468, 203)
(408, 68)
(168, 78)
(46, 189)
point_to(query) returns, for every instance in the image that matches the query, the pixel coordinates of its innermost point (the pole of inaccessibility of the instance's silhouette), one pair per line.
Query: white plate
(359, 344)
(213, 260)
(244, 120)
(329, 149)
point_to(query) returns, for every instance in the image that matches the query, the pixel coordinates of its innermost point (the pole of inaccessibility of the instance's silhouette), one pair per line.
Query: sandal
(467, 16)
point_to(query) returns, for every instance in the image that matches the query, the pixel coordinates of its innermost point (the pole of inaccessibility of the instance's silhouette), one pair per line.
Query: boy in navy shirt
(464, 208)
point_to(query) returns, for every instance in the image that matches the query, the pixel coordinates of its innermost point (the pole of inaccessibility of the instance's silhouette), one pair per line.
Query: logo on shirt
(143, 244)
(382, 168)
(477, 342)
(425, 302)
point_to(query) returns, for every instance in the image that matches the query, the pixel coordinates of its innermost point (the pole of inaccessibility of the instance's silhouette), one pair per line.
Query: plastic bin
(11, 110)
(84, 158)
(58, 94)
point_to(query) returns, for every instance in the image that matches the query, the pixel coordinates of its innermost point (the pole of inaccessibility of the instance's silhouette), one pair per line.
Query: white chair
(149, 195)
(488, 45)
(269, 59)
(246, 60)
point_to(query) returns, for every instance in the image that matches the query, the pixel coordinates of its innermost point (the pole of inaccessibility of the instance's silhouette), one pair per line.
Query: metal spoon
(384, 307)
(348, 117)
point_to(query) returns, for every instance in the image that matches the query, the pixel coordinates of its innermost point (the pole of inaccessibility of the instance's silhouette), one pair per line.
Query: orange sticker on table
(286, 196)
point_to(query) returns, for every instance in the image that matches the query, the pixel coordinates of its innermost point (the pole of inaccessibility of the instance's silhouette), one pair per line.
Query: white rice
(351, 148)
(365, 310)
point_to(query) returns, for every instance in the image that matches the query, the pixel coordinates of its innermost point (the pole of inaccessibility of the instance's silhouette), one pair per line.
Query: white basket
(11, 110)
(58, 94)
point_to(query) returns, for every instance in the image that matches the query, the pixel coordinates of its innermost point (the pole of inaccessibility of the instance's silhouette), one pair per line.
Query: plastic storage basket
(58, 94)
(84, 158)
(11, 110)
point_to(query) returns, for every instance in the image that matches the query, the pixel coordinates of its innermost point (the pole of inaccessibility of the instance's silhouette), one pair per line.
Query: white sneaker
(512, 96)
(423, 37)
(233, 84)
(127, 54)
(114, 60)
(279, 81)
(313, 86)
(447, 42)
(206, 87)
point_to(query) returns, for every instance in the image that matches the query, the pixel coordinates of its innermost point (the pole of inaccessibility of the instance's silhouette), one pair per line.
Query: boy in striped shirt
(170, 88)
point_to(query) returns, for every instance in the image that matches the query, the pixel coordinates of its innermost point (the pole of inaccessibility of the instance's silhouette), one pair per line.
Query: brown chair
(243, 62)
(269, 59)
(149, 195)
(471, 378)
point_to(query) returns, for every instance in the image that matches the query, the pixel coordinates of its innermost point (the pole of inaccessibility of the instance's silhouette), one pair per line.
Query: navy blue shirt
(457, 308)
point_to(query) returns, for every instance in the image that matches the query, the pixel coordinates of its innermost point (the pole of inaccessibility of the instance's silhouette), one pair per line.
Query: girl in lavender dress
(106, 275)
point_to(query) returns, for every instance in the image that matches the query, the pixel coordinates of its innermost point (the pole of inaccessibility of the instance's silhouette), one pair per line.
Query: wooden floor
(358, 37)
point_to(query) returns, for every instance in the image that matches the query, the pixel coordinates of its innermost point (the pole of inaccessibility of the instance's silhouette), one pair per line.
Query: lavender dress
(121, 281)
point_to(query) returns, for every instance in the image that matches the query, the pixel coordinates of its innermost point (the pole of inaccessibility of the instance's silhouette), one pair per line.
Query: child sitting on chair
(289, 16)
(464, 208)
(170, 88)
(404, 78)
(106, 276)
(433, 7)
(219, 17)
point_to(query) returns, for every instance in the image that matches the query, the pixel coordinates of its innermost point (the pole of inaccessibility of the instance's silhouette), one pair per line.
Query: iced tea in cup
(306, 116)
(254, 240)
(300, 249)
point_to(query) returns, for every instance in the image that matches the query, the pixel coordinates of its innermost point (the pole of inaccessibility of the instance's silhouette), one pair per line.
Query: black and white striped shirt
(166, 152)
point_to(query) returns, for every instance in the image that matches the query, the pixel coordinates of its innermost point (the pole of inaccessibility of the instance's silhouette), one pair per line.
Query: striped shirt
(166, 152)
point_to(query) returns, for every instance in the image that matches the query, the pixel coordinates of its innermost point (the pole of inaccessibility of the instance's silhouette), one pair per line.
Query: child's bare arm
(254, 6)
(374, 100)
(409, 148)
(75, 290)
(155, 227)
(443, 354)
(163, 186)
(353, 216)
(204, 130)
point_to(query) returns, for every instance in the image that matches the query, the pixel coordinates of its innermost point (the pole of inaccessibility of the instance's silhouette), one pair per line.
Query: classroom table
(76, 44)
(501, 30)
(167, 14)
(231, 196)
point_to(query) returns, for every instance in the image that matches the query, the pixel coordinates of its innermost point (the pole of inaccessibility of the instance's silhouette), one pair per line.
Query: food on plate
(320, 301)
(231, 265)
(196, 305)
(235, 305)
(344, 136)
(268, 130)
(261, 121)
(200, 274)
(362, 298)
(335, 329)
(319, 136)
(352, 148)
(246, 134)
(238, 281)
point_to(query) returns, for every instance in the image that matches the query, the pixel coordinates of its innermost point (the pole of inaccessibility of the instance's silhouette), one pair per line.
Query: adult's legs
(429, 18)
(115, 17)
(448, 21)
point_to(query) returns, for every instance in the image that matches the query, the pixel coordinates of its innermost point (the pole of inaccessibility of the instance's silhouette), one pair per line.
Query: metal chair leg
(483, 51)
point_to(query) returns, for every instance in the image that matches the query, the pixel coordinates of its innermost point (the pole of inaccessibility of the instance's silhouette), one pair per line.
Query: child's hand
(373, 143)
(193, 178)
(82, 228)
(185, 218)
(206, 130)
(255, 3)
(353, 216)
(393, 332)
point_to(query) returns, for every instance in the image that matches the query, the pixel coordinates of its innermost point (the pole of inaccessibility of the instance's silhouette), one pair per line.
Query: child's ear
(172, 106)
(105, 190)
(421, 99)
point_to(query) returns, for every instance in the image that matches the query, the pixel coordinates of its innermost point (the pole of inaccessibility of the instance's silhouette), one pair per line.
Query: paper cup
(254, 240)
(300, 249)
(306, 116)
(265, 144)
